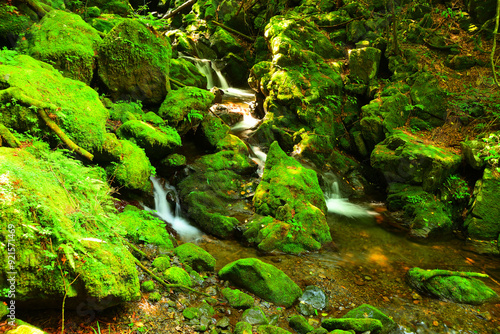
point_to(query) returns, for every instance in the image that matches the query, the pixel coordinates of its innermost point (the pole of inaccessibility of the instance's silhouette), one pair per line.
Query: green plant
(194, 114)
(415, 199)
(457, 187)
(295, 227)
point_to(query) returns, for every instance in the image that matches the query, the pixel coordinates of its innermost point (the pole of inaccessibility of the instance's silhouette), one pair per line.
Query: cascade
(339, 205)
(209, 68)
(163, 210)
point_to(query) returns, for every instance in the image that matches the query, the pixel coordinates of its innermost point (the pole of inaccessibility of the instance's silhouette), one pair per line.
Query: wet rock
(254, 316)
(185, 72)
(392, 112)
(156, 142)
(300, 324)
(236, 69)
(364, 64)
(77, 44)
(368, 311)
(288, 187)
(237, 298)
(196, 257)
(358, 325)
(315, 297)
(218, 93)
(482, 222)
(134, 63)
(262, 279)
(459, 287)
(427, 93)
(406, 159)
(473, 153)
(213, 131)
(268, 329)
(185, 108)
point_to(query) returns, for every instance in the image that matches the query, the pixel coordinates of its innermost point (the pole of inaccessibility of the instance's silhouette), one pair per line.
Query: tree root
(9, 138)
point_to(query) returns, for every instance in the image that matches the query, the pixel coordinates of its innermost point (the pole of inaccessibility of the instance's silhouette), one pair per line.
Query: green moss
(134, 63)
(11, 22)
(368, 311)
(242, 327)
(214, 130)
(142, 226)
(237, 298)
(300, 324)
(148, 286)
(76, 107)
(196, 257)
(124, 111)
(178, 275)
(77, 43)
(185, 72)
(262, 279)
(153, 118)
(161, 263)
(232, 143)
(175, 160)
(154, 297)
(229, 160)
(191, 313)
(358, 325)
(156, 142)
(73, 220)
(268, 329)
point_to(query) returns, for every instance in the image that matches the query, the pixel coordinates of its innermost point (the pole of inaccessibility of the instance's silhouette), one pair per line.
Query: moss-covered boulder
(141, 226)
(262, 279)
(126, 163)
(185, 72)
(406, 159)
(456, 286)
(352, 324)
(134, 63)
(223, 42)
(13, 23)
(196, 257)
(368, 311)
(213, 131)
(67, 42)
(383, 116)
(156, 142)
(55, 227)
(185, 108)
(426, 216)
(178, 275)
(427, 93)
(482, 222)
(269, 329)
(364, 64)
(291, 194)
(238, 299)
(28, 85)
(300, 324)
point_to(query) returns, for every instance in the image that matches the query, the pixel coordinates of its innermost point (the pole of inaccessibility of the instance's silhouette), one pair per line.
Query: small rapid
(337, 204)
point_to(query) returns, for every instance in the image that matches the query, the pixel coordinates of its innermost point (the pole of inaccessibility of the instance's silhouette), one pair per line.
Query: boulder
(364, 64)
(455, 286)
(262, 279)
(223, 42)
(368, 311)
(238, 299)
(404, 158)
(63, 227)
(352, 324)
(185, 108)
(291, 194)
(156, 142)
(178, 275)
(134, 63)
(269, 329)
(29, 85)
(482, 222)
(76, 47)
(196, 257)
(185, 72)
(254, 316)
(427, 93)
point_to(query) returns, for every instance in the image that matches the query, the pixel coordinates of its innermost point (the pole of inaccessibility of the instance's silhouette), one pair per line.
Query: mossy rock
(291, 193)
(427, 93)
(13, 23)
(368, 311)
(156, 142)
(120, 7)
(178, 275)
(161, 263)
(236, 69)
(255, 316)
(148, 286)
(106, 22)
(268, 329)
(406, 159)
(134, 63)
(29, 84)
(300, 324)
(262, 279)
(223, 43)
(358, 325)
(242, 327)
(196, 257)
(77, 44)
(124, 111)
(229, 160)
(213, 131)
(142, 226)
(459, 287)
(185, 72)
(482, 222)
(185, 108)
(74, 221)
(237, 298)
(129, 166)
(364, 64)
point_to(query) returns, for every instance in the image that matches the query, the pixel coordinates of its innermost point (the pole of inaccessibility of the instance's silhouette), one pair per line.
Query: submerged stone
(456, 286)
(262, 279)
(368, 311)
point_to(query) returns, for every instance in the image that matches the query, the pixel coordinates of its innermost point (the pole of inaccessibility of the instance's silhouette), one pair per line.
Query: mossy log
(248, 38)
(9, 138)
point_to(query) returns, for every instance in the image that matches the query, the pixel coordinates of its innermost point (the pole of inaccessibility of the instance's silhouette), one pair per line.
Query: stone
(426, 92)
(242, 327)
(196, 257)
(237, 298)
(178, 275)
(185, 72)
(300, 324)
(364, 64)
(358, 325)
(368, 311)
(262, 279)
(315, 297)
(254, 316)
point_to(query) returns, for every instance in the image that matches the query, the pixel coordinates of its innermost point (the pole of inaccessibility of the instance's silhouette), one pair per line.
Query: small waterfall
(336, 204)
(163, 210)
(259, 158)
(209, 68)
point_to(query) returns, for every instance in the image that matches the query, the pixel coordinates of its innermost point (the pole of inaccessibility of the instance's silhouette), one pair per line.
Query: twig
(178, 9)
(231, 30)
(178, 83)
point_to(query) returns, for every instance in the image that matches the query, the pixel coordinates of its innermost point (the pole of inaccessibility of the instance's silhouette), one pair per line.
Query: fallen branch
(165, 284)
(231, 30)
(8, 137)
(178, 83)
(178, 9)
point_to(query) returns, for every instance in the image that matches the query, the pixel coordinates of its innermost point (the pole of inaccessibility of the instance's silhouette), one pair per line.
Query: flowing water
(366, 263)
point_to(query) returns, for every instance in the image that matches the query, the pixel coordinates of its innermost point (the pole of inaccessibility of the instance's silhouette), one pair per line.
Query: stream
(366, 263)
